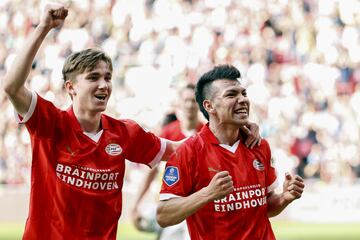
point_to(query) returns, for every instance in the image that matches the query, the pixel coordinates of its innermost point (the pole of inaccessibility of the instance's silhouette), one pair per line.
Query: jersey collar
(209, 136)
(76, 125)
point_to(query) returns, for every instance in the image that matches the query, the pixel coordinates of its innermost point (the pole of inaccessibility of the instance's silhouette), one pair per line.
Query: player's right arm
(14, 81)
(176, 210)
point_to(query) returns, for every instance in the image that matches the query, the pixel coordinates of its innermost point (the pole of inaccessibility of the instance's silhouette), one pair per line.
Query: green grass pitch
(283, 231)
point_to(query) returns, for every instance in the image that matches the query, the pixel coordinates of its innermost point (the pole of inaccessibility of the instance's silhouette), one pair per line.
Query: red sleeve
(145, 147)
(43, 119)
(178, 175)
(271, 178)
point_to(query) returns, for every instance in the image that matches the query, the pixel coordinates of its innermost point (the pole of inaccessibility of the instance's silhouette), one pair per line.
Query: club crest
(258, 165)
(113, 149)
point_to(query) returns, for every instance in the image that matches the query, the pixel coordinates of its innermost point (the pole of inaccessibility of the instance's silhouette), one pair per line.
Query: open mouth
(101, 97)
(241, 111)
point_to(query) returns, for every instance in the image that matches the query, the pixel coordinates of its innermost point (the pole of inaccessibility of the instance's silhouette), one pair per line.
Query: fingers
(221, 185)
(295, 185)
(287, 176)
(253, 136)
(59, 13)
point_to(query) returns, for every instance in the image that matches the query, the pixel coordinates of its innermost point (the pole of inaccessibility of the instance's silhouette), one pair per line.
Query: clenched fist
(220, 186)
(53, 16)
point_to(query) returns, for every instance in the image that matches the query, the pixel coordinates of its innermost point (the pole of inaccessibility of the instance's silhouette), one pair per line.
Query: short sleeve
(271, 177)
(145, 147)
(41, 118)
(178, 175)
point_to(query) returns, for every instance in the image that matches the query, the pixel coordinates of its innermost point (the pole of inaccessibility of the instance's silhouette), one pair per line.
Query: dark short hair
(203, 86)
(79, 62)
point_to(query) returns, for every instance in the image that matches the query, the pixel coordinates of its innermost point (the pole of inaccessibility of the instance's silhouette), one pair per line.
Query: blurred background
(299, 60)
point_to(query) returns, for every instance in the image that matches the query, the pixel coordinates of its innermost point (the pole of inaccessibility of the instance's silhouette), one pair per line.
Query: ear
(209, 107)
(69, 87)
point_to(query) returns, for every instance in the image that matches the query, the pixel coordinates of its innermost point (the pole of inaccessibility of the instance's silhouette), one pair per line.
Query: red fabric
(75, 182)
(173, 132)
(243, 213)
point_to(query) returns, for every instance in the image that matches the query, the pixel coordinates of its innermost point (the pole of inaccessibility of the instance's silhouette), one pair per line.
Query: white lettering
(104, 177)
(87, 184)
(59, 167)
(71, 180)
(75, 172)
(90, 175)
(95, 185)
(67, 170)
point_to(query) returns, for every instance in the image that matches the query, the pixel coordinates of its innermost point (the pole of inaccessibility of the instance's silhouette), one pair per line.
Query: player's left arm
(293, 188)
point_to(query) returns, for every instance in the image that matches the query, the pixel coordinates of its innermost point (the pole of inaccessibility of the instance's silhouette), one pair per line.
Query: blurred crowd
(299, 60)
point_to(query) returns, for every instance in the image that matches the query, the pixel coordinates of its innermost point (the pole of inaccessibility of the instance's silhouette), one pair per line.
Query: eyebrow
(97, 74)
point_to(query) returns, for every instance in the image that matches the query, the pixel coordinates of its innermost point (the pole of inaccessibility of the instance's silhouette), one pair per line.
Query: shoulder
(191, 146)
(263, 149)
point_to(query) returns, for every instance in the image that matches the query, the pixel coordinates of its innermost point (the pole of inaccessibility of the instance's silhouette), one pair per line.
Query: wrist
(43, 28)
(204, 195)
(284, 199)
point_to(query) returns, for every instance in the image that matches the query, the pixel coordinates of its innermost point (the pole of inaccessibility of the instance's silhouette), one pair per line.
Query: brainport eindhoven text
(88, 178)
(242, 198)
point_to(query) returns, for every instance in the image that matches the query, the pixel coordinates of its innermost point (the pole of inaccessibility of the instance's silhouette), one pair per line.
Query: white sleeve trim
(160, 154)
(272, 186)
(167, 196)
(29, 112)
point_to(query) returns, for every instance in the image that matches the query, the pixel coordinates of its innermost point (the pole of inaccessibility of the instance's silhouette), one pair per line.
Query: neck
(89, 122)
(225, 133)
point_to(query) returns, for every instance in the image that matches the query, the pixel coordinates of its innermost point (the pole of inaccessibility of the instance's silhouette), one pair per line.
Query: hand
(220, 186)
(136, 218)
(293, 187)
(53, 16)
(253, 135)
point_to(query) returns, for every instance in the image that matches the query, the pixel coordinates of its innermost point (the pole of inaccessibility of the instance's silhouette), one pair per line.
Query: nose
(103, 84)
(243, 99)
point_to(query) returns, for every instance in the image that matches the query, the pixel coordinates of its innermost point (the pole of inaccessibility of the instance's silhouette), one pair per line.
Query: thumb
(288, 176)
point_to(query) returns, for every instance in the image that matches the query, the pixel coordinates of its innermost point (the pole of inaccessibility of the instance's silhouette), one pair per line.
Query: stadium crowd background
(299, 60)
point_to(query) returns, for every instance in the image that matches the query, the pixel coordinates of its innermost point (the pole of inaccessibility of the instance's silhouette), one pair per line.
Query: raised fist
(53, 16)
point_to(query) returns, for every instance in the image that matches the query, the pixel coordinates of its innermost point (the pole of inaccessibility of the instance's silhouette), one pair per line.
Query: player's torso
(82, 192)
(235, 212)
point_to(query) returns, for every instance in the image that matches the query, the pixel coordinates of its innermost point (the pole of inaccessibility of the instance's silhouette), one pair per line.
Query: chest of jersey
(248, 174)
(88, 165)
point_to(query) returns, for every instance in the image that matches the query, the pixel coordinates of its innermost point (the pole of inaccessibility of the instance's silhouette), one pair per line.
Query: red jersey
(240, 215)
(76, 182)
(173, 131)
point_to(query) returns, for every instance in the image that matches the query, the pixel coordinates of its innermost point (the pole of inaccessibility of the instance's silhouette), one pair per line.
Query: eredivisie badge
(171, 175)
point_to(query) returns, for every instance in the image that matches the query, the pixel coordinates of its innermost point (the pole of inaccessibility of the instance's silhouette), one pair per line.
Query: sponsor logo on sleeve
(171, 175)
(113, 149)
(258, 165)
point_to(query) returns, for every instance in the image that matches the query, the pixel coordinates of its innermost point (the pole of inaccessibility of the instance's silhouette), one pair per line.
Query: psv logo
(258, 165)
(113, 149)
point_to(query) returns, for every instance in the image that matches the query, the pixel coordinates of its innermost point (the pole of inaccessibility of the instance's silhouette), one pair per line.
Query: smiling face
(228, 103)
(90, 90)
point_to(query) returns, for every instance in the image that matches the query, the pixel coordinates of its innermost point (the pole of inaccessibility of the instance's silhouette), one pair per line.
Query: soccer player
(78, 155)
(223, 189)
(186, 125)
